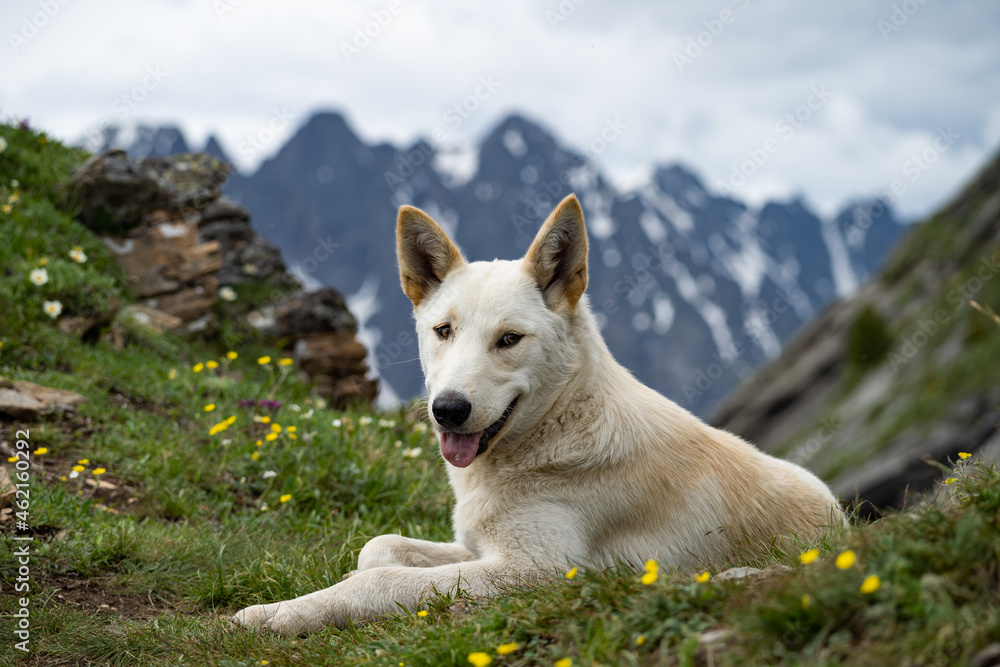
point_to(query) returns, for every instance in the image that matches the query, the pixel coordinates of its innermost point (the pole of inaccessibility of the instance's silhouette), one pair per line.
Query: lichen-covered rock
(321, 331)
(313, 312)
(179, 242)
(191, 180)
(112, 193)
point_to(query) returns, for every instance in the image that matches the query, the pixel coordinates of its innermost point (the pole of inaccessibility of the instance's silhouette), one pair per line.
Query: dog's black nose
(451, 410)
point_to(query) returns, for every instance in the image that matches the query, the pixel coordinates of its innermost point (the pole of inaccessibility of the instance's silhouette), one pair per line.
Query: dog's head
(495, 337)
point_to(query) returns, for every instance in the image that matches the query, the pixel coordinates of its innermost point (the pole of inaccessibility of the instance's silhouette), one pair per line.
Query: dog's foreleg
(377, 592)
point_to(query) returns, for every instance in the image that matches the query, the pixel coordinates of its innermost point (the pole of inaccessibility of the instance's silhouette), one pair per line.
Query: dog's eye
(509, 339)
(443, 331)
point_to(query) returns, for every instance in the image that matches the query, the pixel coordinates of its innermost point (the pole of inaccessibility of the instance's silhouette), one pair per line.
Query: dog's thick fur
(591, 467)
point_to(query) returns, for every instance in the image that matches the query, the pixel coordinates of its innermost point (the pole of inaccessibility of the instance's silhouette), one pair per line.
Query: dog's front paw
(287, 618)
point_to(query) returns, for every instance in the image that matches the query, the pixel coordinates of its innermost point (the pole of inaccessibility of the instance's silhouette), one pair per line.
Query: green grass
(183, 539)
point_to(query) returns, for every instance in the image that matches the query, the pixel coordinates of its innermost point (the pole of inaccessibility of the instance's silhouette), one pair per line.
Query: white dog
(558, 456)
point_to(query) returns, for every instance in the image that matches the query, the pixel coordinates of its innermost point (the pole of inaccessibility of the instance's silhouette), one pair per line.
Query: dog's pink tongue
(459, 449)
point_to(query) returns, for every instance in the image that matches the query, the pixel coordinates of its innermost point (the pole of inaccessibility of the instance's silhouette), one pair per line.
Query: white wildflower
(39, 276)
(52, 308)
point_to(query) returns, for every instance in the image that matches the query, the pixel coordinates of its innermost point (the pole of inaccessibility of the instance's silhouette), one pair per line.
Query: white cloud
(227, 76)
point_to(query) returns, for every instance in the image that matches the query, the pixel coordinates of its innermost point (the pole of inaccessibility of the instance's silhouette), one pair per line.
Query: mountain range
(693, 288)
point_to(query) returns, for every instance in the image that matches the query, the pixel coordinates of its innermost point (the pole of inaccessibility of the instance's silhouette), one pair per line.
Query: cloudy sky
(770, 98)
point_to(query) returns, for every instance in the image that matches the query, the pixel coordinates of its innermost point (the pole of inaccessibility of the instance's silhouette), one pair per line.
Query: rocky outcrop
(320, 332)
(182, 246)
(878, 426)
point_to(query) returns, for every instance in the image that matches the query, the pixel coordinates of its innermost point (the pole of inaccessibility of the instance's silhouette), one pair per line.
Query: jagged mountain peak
(680, 277)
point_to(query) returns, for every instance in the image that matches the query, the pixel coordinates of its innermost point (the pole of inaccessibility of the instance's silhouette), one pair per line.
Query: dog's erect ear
(426, 254)
(557, 258)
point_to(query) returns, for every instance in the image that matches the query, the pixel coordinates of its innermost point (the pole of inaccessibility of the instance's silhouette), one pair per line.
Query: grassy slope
(934, 272)
(183, 539)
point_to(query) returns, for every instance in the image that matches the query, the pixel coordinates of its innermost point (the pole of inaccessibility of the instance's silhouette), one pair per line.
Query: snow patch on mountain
(456, 165)
(693, 292)
(844, 279)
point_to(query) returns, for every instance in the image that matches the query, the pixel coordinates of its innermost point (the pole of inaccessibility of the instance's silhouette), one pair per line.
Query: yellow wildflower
(99, 471)
(231, 419)
(964, 455)
(422, 613)
(255, 456)
(292, 429)
(846, 559)
(209, 407)
(285, 498)
(83, 461)
(42, 450)
(870, 584)
(571, 573)
(78, 468)
(806, 601)
(172, 374)
(270, 437)
(565, 662)
(480, 659)
(640, 640)
(198, 367)
(212, 364)
(651, 572)
(295, 437)
(703, 577)
(950, 480)
(264, 360)
(231, 355)
(259, 443)
(276, 428)
(809, 556)
(11, 459)
(504, 649)
(265, 420)
(287, 361)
